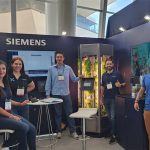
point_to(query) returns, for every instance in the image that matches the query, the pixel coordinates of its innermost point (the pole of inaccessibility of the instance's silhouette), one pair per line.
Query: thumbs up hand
(117, 84)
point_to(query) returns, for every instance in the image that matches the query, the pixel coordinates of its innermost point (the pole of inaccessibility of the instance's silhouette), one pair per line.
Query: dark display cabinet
(130, 126)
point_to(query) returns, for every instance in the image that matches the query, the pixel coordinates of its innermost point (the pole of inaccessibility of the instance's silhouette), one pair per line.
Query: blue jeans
(24, 133)
(22, 111)
(67, 106)
(110, 109)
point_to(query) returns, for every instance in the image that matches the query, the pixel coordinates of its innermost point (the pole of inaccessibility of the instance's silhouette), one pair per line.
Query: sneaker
(59, 135)
(112, 140)
(74, 135)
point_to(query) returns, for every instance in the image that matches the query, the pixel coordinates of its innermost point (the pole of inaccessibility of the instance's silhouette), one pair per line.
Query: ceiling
(40, 5)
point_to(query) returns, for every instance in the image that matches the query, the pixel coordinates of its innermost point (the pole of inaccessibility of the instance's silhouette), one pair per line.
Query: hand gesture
(117, 84)
(81, 76)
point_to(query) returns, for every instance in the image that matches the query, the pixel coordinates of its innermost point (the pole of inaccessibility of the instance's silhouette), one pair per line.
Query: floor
(68, 143)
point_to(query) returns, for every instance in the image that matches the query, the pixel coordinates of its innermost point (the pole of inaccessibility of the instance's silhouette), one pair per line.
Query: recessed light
(122, 29)
(64, 33)
(147, 17)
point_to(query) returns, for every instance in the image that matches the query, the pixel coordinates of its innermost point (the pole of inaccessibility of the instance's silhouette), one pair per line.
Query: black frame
(89, 81)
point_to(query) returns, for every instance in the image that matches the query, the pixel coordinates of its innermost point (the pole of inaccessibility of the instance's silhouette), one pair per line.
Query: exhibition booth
(87, 56)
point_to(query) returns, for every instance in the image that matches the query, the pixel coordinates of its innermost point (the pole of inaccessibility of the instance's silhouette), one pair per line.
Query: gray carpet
(68, 143)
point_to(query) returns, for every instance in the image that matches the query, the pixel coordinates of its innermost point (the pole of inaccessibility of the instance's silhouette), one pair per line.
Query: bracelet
(136, 101)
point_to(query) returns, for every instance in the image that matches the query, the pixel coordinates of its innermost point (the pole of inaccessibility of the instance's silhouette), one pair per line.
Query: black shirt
(4, 96)
(111, 78)
(22, 82)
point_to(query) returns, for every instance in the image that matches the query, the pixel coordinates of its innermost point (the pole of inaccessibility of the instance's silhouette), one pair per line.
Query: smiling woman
(20, 84)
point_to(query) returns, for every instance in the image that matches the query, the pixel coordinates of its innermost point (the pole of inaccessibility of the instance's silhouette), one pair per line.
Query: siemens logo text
(28, 42)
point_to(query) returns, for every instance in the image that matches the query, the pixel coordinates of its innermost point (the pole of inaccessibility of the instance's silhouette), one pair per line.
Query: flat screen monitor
(87, 84)
(36, 63)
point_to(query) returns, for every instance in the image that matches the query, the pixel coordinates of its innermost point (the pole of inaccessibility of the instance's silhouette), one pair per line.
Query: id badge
(60, 78)
(109, 86)
(20, 92)
(7, 105)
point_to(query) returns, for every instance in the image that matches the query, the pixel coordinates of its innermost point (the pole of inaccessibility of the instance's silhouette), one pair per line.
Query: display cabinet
(91, 64)
(130, 127)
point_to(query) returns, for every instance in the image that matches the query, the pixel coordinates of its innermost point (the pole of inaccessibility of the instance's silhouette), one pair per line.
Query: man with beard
(111, 82)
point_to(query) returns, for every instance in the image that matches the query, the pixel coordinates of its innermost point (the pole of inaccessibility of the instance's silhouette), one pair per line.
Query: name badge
(7, 105)
(60, 78)
(20, 92)
(109, 86)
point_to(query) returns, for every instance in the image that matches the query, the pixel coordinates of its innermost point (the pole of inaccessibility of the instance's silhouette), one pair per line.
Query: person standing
(57, 85)
(111, 82)
(24, 132)
(20, 84)
(145, 87)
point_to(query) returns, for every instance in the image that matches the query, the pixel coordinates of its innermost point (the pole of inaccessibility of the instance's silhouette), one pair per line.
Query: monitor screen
(87, 83)
(36, 63)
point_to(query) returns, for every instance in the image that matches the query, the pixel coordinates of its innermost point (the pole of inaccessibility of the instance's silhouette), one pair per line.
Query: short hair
(110, 59)
(59, 52)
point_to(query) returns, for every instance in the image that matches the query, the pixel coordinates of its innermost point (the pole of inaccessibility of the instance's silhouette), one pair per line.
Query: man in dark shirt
(111, 82)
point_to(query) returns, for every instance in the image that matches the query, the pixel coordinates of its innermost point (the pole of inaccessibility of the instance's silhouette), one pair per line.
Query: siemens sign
(27, 42)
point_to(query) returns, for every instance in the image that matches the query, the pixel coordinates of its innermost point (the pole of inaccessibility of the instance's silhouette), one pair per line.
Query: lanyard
(108, 76)
(62, 72)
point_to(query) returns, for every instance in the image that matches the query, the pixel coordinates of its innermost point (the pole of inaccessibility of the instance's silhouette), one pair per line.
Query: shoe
(59, 135)
(112, 140)
(74, 135)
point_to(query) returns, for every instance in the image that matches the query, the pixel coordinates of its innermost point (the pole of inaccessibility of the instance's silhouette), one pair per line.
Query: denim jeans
(110, 109)
(147, 124)
(22, 111)
(67, 106)
(24, 133)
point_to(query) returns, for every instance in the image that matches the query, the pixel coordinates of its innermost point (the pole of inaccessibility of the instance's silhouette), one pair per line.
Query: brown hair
(10, 70)
(109, 59)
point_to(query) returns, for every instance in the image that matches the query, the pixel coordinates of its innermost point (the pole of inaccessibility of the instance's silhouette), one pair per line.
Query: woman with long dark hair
(24, 132)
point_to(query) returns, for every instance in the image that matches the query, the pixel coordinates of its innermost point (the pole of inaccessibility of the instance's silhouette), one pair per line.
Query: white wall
(5, 25)
(28, 21)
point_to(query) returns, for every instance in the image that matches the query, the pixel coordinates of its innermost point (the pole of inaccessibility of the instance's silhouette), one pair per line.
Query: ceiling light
(147, 17)
(122, 29)
(64, 33)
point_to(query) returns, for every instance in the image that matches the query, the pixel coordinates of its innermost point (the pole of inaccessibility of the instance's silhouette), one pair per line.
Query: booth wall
(123, 43)
(69, 45)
